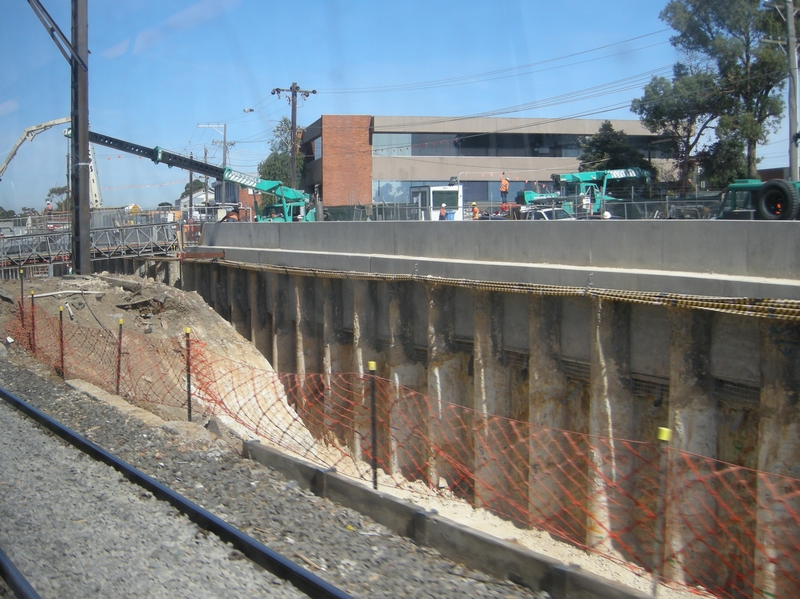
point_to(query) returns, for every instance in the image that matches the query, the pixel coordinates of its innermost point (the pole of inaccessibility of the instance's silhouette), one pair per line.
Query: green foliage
(60, 198)
(681, 110)
(197, 185)
(281, 142)
(609, 149)
(723, 161)
(728, 36)
(165, 204)
(7, 213)
(277, 166)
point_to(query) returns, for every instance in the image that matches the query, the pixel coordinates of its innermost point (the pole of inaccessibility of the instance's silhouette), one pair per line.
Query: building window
(391, 144)
(318, 148)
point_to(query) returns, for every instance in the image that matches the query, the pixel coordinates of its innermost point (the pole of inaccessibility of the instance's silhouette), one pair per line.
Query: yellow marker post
(188, 332)
(665, 436)
(372, 367)
(61, 340)
(119, 355)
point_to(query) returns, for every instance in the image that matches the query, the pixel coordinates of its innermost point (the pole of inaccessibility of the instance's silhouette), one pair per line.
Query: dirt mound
(144, 305)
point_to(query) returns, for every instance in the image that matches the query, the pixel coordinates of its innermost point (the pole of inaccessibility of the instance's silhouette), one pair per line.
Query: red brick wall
(246, 201)
(346, 160)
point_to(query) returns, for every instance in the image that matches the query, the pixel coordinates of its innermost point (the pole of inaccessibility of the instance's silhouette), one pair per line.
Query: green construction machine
(582, 193)
(752, 199)
(290, 205)
(586, 192)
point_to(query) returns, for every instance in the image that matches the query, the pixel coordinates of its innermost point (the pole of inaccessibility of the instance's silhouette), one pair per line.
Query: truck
(753, 199)
(291, 205)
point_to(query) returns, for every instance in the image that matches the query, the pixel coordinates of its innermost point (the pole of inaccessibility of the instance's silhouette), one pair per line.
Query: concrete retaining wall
(584, 364)
(720, 258)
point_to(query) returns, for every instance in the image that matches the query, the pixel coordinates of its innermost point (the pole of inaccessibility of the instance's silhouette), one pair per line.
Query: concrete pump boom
(161, 156)
(28, 135)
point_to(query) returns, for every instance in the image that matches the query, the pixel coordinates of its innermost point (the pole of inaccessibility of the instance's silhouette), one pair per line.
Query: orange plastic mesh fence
(700, 522)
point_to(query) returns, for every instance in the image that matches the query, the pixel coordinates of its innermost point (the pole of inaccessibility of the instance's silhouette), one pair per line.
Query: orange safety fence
(696, 522)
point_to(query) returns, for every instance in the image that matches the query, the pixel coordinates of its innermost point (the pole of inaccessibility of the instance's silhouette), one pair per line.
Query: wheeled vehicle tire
(777, 200)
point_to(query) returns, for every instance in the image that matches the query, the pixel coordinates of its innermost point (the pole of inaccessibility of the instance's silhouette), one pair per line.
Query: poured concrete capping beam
(728, 259)
(472, 548)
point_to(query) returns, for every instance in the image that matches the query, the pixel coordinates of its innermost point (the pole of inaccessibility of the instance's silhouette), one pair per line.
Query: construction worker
(443, 212)
(503, 188)
(476, 214)
(232, 216)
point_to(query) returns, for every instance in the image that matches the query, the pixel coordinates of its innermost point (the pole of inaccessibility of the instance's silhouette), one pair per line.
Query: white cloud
(197, 14)
(8, 107)
(116, 50)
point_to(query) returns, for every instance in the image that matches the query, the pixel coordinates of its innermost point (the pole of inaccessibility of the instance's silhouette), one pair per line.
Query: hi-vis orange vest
(503, 184)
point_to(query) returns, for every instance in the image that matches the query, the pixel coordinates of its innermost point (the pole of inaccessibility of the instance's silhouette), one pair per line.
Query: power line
(491, 75)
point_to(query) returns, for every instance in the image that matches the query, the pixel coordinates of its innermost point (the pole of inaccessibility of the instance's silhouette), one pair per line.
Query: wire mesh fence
(690, 520)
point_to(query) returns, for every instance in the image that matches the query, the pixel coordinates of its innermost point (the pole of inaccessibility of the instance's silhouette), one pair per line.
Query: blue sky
(157, 70)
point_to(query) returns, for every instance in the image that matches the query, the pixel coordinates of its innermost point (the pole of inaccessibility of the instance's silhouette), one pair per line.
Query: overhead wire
(488, 75)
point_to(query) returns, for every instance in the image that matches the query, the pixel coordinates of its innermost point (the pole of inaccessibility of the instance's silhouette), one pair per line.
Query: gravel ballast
(335, 543)
(75, 528)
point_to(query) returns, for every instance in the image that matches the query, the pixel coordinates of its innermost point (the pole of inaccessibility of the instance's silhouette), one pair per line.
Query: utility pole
(191, 193)
(225, 144)
(81, 221)
(294, 90)
(205, 183)
(77, 54)
(791, 44)
(791, 51)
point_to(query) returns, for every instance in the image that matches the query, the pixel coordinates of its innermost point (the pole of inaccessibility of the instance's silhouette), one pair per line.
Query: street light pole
(294, 90)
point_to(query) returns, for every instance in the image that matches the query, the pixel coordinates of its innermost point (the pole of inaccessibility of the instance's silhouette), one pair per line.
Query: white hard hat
(606, 214)
(444, 205)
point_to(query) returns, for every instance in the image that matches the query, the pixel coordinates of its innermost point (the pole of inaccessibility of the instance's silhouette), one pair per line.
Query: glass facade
(397, 191)
(413, 144)
(473, 191)
(521, 145)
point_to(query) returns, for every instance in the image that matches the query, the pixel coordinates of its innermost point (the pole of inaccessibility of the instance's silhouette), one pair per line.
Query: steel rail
(18, 584)
(274, 562)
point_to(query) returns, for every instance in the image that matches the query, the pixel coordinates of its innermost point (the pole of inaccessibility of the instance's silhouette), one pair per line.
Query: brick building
(360, 159)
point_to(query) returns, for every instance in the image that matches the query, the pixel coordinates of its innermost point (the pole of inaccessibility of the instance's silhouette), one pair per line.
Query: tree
(723, 161)
(281, 142)
(682, 110)
(729, 36)
(197, 185)
(7, 213)
(609, 149)
(165, 204)
(278, 165)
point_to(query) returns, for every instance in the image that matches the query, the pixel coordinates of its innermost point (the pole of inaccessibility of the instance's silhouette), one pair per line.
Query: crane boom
(161, 156)
(28, 135)
(158, 155)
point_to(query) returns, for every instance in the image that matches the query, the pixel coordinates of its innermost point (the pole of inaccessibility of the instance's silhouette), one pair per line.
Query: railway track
(110, 513)
(334, 542)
